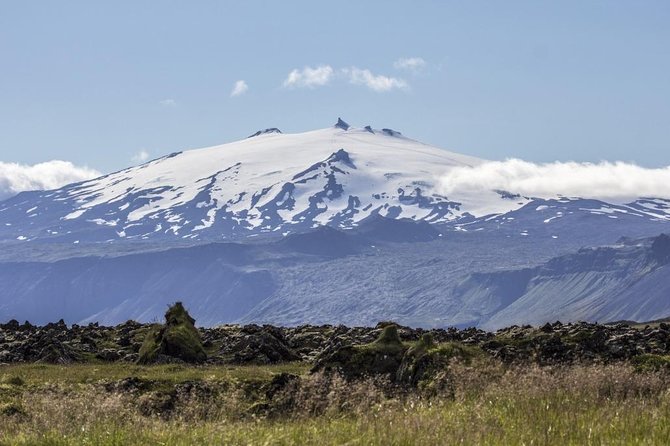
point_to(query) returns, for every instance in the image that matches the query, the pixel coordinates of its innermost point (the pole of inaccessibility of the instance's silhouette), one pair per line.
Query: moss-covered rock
(417, 361)
(150, 348)
(427, 360)
(381, 357)
(258, 345)
(53, 351)
(414, 365)
(177, 339)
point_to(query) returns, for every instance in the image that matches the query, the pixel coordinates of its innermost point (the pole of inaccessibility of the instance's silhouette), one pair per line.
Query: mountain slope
(268, 182)
(216, 280)
(630, 280)
(330, 276)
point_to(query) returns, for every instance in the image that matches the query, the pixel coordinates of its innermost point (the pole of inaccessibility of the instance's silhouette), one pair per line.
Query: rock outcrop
(177, 340)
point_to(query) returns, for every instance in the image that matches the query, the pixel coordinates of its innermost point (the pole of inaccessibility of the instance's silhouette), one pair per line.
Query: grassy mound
(178, 338)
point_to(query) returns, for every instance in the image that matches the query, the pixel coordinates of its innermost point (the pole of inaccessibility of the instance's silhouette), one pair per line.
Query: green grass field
(485, 403)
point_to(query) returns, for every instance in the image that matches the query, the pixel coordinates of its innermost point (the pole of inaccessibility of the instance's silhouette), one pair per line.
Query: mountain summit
(340, 124)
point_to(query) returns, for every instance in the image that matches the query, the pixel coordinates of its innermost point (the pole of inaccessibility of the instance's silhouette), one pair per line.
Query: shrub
(11, 409)
(649, 362)
(13, 381)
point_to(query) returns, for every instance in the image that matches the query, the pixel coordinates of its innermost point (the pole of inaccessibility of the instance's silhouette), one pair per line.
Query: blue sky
(98, 84)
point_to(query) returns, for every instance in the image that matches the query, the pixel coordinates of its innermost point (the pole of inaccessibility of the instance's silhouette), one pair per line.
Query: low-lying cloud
(605, 180)
(15, 178)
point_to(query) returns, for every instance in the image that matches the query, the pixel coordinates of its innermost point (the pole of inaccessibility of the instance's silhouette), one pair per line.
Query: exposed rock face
(660, 248)
(340, 124)
(177, 339)
(265, 132)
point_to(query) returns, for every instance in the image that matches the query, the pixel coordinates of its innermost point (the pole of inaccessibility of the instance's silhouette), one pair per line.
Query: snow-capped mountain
(276, 183)
(339, 225)
(268, 182)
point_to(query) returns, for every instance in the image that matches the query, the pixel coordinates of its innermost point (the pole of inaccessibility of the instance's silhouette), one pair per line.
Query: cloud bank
(239, 88)
(15, 178)
(607, 181)
(168, 103)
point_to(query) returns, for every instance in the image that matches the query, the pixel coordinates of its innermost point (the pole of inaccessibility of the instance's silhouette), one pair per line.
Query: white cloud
(168, 103)
(309, 77)
(377, 83)
(140, 156)
(239, 88)
(323, 74)
(15, 178)
(410, 63)
(605, 180)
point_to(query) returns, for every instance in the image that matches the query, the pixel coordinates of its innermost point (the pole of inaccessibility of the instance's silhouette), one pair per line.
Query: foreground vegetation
(388, 385)
(485, 402)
